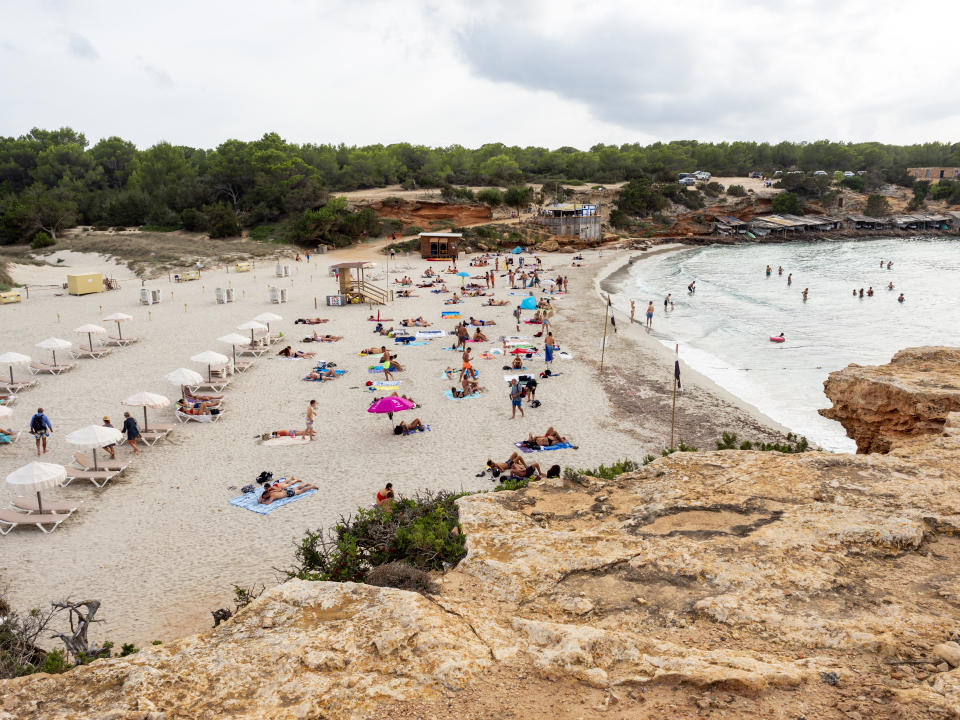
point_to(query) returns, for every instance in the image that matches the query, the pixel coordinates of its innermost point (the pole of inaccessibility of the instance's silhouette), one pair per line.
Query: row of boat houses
(764, 225)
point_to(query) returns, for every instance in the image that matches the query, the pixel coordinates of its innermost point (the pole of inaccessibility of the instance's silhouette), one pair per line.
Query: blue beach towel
(248, 501)
(338, 373)
(560, 446)
(418, 343)
(449, 395)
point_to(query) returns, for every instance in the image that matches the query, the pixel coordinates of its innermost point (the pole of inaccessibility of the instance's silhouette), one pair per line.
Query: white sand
(161, 546)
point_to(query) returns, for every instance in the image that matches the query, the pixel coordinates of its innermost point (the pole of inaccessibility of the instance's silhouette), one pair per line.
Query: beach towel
(449, 313)
(338, 373)
(559, 446)
(248, 501)
(449, 395)
(426, 428)
(281, 441)
(385, 383)
(486, 356)
(371, 388)
(427, 334)
(418, 343)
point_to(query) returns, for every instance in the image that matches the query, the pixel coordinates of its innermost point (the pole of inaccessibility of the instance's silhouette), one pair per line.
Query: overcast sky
(527, 73)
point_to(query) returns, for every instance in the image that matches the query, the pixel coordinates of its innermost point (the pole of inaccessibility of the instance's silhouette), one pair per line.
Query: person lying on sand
(203, 398)
(481, 323)
(458, 393)
(415, 322)
(404, 428)
(525, 471)
(517, 363)
(326, 338)
(479, 336)
(284, 489)
(504, 466)
(371, 351)
(289, 352)
(310, 321)
(406, 293)
(321, 375)
(469, 385)
(450, 372)
(196, 402)
(497, 303)
(455, 300)
(550, 437)
(280, 433)
(429, 272)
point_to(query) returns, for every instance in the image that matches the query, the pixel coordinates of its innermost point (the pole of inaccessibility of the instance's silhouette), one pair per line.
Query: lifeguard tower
(355, 288)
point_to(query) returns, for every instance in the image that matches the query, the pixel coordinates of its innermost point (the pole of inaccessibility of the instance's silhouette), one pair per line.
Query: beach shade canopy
(35, 477)
(147, 400)
(118, 318)
(185, 377)
(268, 317)
(90, 330)
(517, 250)
(211, 359)
(234, 339)
(390, 404)
(92, 437)
(13, 358)
(528, 303)
(5, 412)
(463, 274)
(252, 325)
(53, 344)
(522, 351)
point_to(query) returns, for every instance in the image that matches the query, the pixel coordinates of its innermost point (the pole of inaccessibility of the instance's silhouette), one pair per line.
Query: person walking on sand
(385, 361)
(650, 314)
(132, 432)
(466, 368)
(633, 310)
(311, 417)
(40, 428)
(516, 398)
(111, 449)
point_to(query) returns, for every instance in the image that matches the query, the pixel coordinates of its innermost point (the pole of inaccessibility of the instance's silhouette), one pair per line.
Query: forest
(51, 180)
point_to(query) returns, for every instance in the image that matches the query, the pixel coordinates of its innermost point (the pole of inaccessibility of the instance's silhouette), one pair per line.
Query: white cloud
(528, 73)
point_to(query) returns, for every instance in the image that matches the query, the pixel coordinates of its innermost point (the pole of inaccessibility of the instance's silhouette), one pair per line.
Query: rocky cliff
(712, 584)
(882, 405)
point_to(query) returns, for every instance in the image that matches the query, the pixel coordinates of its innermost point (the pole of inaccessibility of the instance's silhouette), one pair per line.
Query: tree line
(54, 179)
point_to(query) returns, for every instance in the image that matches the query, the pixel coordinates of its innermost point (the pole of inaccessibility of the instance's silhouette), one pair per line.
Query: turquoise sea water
(724, 327)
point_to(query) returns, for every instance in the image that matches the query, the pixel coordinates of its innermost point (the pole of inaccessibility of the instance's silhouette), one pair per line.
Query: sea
(723, 328)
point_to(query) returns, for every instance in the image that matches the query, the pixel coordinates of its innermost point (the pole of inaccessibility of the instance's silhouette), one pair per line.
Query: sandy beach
(160, 546)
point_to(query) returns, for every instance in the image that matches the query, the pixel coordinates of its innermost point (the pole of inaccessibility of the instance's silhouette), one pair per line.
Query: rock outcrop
(882, 405)
(745, 584)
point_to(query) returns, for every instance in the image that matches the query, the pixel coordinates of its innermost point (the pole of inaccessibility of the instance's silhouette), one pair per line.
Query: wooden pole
(603, 345)
(673, 412)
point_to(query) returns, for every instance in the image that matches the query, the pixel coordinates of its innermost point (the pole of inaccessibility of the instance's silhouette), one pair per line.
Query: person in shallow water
(861, 292)
(870, 291)
(780, 270)
(804, 293)
(890, 286)
(789, 279)
(901, 298)
(769, 271)
(692, 286)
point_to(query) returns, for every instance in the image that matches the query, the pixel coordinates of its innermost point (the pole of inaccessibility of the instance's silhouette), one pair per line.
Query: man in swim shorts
(516, 398)
(311, 416)
(650, 314)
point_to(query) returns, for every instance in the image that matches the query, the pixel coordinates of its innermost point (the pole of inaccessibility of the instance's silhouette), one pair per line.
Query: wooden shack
(354, 287)
(439, 246)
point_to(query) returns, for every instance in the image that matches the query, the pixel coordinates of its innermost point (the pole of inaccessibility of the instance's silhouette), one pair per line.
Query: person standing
(466, 368)
(385, 362)
(311, 418)
(650, 315)
(548, 347)
(132, 432)
(666, 301)
(111, 449)
(40, 428)
(633, 310)
(516, 398)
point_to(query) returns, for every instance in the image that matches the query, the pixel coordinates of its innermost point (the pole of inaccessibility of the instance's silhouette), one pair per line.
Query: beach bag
(36, 423)
(554, 471)
(265, 476)
(535, 403)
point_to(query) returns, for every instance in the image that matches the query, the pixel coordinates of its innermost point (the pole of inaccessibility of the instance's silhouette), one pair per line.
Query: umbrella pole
(95, 468)
(209, 374)
(39, 502)
(234, 356)
(54, 357)
(90, 340)
(11, 374)
(145, 418)
(119, 331)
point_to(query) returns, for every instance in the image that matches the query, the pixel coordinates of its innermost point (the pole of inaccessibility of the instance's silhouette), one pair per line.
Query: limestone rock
(949, 652)
(548, 246)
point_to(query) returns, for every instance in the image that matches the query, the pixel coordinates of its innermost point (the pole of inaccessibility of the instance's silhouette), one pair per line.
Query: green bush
(736, 191)
(877, 206)
(42, 240)
(412, 230)
(264, 233)
(490, 196)
(423, 531)
(221, 221)
(159, 228)
(607, 473)
(855, 183)
(193, 220)
(794, 444)
(786, 202)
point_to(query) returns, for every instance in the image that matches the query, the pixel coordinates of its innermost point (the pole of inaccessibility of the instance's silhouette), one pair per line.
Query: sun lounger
(96, 353)
(98, 477)
(7, 399)
(121, 342)
(84, 462)
(13, 438)
(13, 518)
(214, 385)
(39, 367)
(29, 504)
(242, 367)
(256, 351)
(207, 418)
(17, 386)
(155, 434)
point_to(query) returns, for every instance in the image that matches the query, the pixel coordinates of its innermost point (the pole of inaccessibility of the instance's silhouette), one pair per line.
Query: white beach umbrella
(234, 339)
(267, 318)
(252, 325)
(53, 344)
(35, 477)
(13, 358)
(5, 412)
(211, 359)
(185, 377)
(92, 437)
(90, 331)
(118, 318)
(147, 400)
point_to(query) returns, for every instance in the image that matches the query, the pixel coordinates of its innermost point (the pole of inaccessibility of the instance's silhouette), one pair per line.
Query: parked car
(681, 176)
(848, 173)
(755, 174)
(702, 175)
(820, 173)
(777, 173)
(687, 180)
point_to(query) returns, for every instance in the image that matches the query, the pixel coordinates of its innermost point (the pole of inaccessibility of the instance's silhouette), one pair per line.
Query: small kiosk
(85, 284)
(439, 246)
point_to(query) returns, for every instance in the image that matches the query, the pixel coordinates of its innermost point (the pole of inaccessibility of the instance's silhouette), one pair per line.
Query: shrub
(402, 576)
(877, 206)
(423, 531)
(736, 191)
(786, 202)
(221, 221)
(691, 199)
(264, 233)
(794, 444)
(42, 240)
(193, 220)
(607, 473)
(490, 196)
(157, 228)
(412, 230)
(855, 183)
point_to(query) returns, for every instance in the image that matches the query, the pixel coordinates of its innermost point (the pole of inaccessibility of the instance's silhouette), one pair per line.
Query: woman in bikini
(284, 489)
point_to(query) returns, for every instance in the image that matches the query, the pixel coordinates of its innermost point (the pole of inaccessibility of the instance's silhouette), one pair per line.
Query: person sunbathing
(326, 338)
(415, 322)
(523, 471)
(203, 398)
(289, 352)
(406, 293)
(321, 375)
(497, 303)
(196, 402)
(504, 466)
(517, 363)
(412, 426)
(310, 321)
(481, 323)
(7, 435)
(479, 336)
(284, 489)
(196, 408)
(455, 300)
(550, 437)
(429, 272)
(280, 433)
(458, 393)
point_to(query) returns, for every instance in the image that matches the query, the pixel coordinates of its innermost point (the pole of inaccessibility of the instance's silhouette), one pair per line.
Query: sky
(551, 74)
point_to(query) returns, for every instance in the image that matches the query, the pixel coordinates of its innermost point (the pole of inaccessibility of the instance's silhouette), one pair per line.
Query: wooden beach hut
(439, 245)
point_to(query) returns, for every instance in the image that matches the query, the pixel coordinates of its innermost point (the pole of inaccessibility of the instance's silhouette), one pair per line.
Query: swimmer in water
(804, 293)
(890, 286)
(789, 279)
(692, 287)
(889, 264)
(870, 291)
(901, 298)
(861, 292)
(781, 336)
(769, 271)
(854, 292)
(881, 264)
(780, 270)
